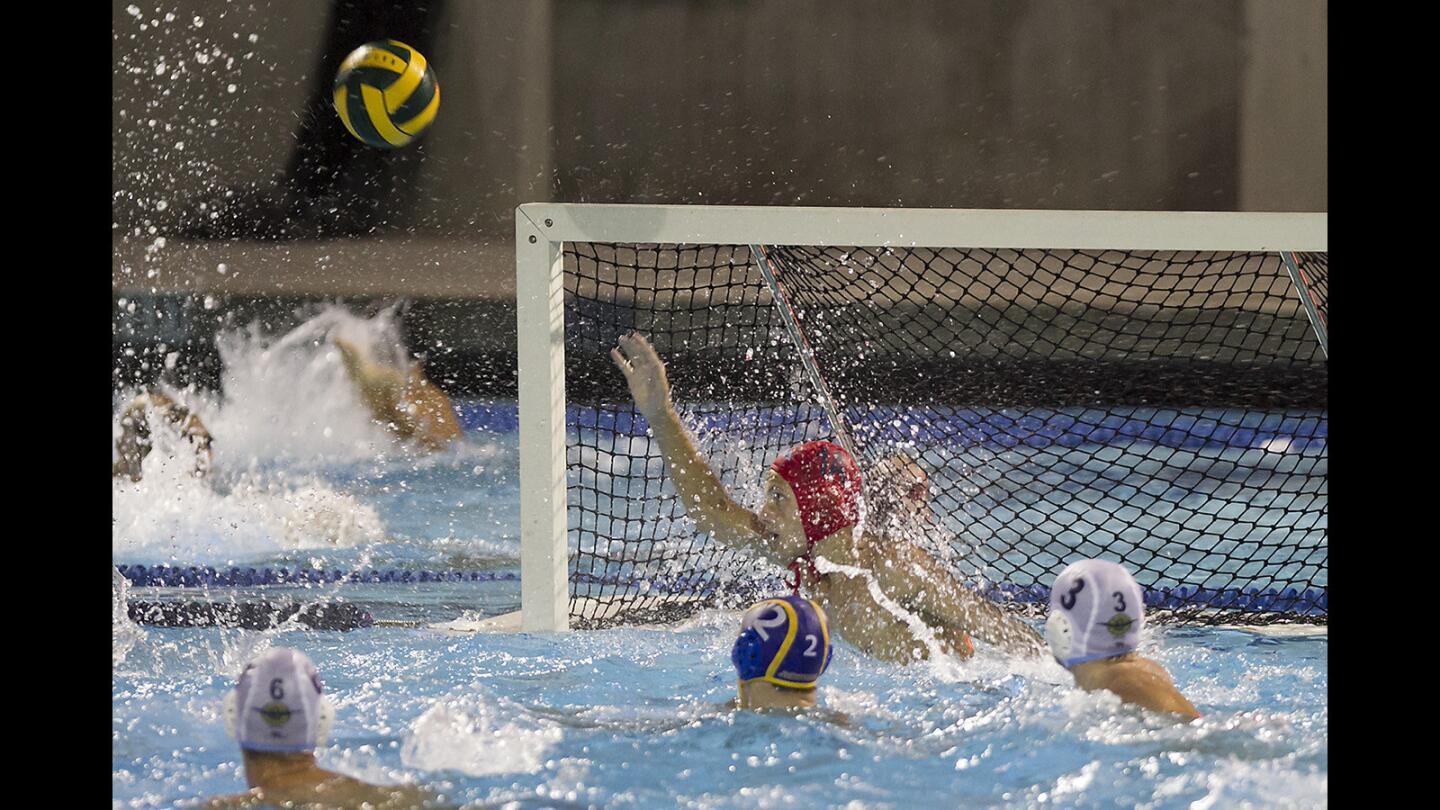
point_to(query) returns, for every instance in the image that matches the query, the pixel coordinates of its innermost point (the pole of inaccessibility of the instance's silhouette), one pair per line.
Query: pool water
(634, 717)
(627, 717)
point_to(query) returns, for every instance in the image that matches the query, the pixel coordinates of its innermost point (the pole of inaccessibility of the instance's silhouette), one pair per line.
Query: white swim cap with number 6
(278, 704)
(1096, 611)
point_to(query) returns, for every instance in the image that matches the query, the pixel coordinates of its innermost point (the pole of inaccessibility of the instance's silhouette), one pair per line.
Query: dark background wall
(1142, 104)
(238, 196)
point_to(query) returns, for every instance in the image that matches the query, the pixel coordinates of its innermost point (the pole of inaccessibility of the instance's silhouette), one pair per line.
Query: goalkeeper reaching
(884, 595)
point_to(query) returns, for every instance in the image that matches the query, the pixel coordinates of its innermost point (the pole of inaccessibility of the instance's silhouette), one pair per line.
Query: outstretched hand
(645, 373)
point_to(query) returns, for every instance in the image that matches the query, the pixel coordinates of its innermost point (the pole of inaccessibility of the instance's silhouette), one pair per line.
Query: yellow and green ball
(386, 93)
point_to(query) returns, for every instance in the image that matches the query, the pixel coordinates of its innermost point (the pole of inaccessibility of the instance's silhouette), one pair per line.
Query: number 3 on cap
(1067, 600)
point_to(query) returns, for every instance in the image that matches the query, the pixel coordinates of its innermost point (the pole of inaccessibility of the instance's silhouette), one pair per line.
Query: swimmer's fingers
(639, 348)
(637, 353)
(644, 372)
(623, 364)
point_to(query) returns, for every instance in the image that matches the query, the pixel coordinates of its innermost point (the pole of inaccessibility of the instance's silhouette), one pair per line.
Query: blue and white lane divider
(194, 576)
(1190, 429)
(1304, 601)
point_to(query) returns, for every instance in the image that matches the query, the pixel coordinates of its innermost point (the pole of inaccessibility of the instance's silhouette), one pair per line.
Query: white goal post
(542, 228)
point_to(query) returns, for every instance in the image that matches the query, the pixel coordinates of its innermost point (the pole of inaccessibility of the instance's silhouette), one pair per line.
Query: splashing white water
(123, 632)
(172, 516)
(918, 628)
(465, 732)
(289, 411)
(291, 400)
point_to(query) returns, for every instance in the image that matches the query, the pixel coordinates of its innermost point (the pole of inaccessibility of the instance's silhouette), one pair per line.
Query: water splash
(124, 633)
(172, 516)
(918, 628)
(289, 415)
(468, 733)
(289, 399)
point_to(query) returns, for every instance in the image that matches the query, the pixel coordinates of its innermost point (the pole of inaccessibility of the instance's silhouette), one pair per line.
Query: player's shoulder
(1136, 672)
(895, 549)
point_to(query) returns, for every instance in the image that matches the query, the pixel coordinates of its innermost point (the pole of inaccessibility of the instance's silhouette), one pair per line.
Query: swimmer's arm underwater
(705, 498)
(929, 589)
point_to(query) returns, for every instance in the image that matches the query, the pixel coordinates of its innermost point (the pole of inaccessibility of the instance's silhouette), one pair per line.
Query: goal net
(1014, 406)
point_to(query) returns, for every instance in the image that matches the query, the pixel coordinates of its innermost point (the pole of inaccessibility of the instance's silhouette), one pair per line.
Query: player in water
(404, 400)
(897, 503)
(280, 715)
(137, 434)
(1097, 614)
(897, 494)
(887, 596)
(783, 649)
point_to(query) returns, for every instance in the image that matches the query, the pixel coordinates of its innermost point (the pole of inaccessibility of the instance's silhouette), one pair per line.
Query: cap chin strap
(324, 717)
(795, 569)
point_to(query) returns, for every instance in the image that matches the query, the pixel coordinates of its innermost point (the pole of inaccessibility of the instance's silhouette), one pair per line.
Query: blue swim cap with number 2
(784, 641)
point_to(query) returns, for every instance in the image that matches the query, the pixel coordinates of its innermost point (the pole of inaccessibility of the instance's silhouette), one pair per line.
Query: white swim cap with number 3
(1096, 611)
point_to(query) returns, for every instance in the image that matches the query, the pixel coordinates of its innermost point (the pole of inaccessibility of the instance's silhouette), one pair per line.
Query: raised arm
(372, 378)
(705, 498)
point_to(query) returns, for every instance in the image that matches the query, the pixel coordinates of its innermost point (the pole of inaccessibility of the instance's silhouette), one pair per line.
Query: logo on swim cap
(275, 714)
(827, 487)
(278, 704)
(1119, 624)
(1097, 610)
(784, 641)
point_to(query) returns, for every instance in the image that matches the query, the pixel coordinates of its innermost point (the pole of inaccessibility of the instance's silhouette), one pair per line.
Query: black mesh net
(1012, 412)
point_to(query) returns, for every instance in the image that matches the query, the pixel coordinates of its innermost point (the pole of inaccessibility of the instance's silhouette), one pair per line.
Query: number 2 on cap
(761, 625)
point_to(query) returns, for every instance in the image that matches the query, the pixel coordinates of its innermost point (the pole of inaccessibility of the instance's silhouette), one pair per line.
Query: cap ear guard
(324, 721)
(1060, 635)
(232, 714)
(748, 656)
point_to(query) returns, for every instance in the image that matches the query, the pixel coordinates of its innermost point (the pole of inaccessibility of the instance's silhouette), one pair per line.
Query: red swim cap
(827, 488)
